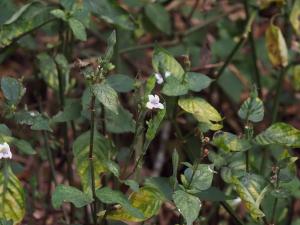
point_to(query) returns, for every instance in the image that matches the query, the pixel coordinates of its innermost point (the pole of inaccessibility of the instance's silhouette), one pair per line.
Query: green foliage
(230, 142)
(163, 61)
(102, 149)
(107, 96)
(281, 134)
(148, 200)
(108, 196)
(63, 194)
(250, 197)
(252, 109)
(197, 81)
(160, 17)
(78, 29)
(12, 89)
(24, 21)
(121, 83)
(71, 112)
(188, 205)
(12, 205)
(121, 122)
(199, 178)
(111, 12)
(48, 70)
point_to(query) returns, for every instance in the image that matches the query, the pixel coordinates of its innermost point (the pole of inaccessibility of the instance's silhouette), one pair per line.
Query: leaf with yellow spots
(276, 45)
(148, 200)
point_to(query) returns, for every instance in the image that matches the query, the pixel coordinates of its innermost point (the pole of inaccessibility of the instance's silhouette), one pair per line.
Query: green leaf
(163, 61)
(252, 109)
(159, 17)
(102, 148)
(32, 18)
(12, 89)
(188, 205)
(154, 124)
(71, 112)
(202, 178)
(162, 184)
(121, 83)
(4, 129)
(107, 96)
(121, 122)
(34, 119)
(49, 73)
(64, 193)
(78, 29)
(109, 196)
(281, 134)
(64, 69)
(148, 200)
(132, 184)
(197, 81)
(213, 194)
(12, 196)
(60, 14)
(230, 142)
(247, 198)
(111, 42)
(41, 123)
(174, 87)
(18, 13)
(295, 15)
(6, 222)
(111, 12)
(200, 109)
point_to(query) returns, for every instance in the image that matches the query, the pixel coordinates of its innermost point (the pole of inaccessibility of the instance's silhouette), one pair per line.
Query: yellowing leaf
(81, 153)
(248, 199)
(148, 200)
(263, 4)
(276, 45)
(12, 206)
(295, 17)
(201, 109)
(296, 77)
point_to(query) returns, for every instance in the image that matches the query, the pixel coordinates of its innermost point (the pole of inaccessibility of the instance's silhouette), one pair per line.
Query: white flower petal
(151, 98)
(5, 151)
(156, 98)
(149, 105)
(167, 74)
(159, 78)
(160, 106)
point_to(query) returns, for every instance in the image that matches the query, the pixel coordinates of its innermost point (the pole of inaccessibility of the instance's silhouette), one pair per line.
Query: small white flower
(154, 103)
(5, 151)
(167, 74)
(159, 78)
(236, 201)
(211, 170)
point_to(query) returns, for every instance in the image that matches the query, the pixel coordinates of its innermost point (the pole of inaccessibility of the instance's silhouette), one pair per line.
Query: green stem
(253, 50)
(91, 158)
(194, 7)
(276, 199)
(230, 211)
(49, 156)
(230, 57)
(243, 38)
(277, 95)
